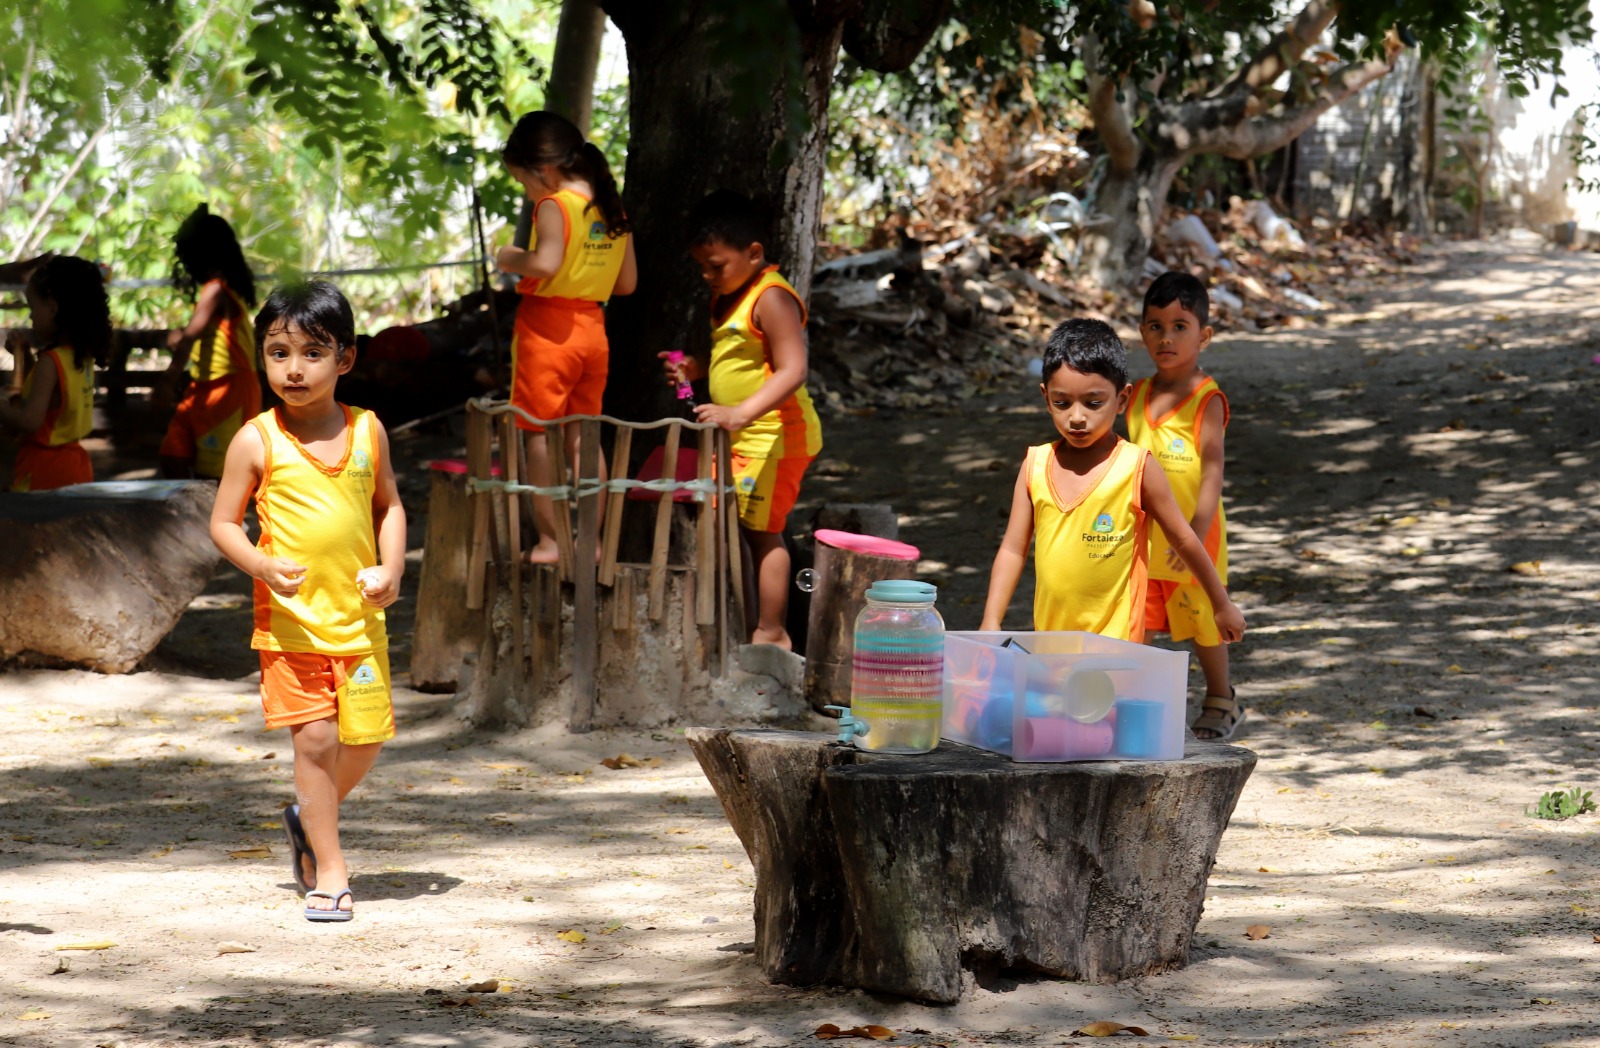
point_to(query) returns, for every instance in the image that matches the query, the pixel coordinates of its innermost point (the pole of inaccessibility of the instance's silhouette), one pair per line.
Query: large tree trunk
(1128, 207)
(692, 130)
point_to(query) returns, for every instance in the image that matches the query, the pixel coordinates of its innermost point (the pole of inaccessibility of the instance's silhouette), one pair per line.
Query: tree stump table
(901, 873)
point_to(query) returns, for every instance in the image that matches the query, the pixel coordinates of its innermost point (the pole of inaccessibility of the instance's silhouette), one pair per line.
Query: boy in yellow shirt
(1083, 501)
(758, 388)
(1179, 416)
(330, 557)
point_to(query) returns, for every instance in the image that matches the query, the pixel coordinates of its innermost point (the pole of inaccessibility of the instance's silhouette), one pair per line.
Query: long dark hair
(207, 248)
(542, 137)
(83, 315)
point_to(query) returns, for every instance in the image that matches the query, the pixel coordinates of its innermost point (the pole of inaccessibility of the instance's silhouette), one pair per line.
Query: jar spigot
(849, 725)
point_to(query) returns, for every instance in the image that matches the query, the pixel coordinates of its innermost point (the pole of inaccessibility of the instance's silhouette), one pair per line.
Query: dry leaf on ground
(262, 852)
(628, 760)
(486, 986)
(1257, 931)
(102, 945)
(34, 1013)
(571, 935)
(234, 947)
(829, 1032)
(1105, 1028)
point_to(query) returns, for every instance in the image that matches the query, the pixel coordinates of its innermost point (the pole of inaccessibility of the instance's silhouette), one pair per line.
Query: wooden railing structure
(588, 559)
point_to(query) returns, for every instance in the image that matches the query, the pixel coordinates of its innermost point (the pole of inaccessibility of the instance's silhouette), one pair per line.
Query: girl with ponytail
(581, 255)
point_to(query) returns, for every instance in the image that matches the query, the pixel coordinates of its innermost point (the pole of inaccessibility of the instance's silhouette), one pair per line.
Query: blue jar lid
(903, 591)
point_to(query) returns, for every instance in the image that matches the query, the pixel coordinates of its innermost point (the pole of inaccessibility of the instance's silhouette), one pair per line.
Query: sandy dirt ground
(1412, 494)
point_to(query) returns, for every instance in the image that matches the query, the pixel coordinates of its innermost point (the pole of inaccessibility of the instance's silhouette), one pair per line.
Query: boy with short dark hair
(1083, 501)
(1179, 416)
(330, 557)
(757, 374)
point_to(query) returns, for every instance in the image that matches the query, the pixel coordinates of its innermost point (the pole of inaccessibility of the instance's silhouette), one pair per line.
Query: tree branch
(1246, 138)
(1111, 120)
(1283, 50)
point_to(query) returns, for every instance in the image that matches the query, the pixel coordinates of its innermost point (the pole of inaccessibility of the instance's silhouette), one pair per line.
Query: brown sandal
(1221, 714)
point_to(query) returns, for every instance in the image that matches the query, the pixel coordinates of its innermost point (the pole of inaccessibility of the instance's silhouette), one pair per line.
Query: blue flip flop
(299, 847)
(335, 914)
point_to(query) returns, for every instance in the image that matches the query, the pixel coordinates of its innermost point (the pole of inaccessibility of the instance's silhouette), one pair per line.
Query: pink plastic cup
(1060, 738)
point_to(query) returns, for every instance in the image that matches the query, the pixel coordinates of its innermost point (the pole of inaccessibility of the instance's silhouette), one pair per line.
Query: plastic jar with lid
(897, 671)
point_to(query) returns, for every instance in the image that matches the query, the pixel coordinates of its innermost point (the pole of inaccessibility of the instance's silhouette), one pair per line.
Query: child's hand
(509, 258)
(728, 418)
(282, 576)
(175, 338)
(1230, 623)
(684, 369)
(379, 586)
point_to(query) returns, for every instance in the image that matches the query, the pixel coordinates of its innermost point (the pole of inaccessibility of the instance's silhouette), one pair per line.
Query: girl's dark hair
(1088, 347)
(542, 138)
(83, 315)
(1183, 288)
(207, 248)
(729, 217)
(316, 307)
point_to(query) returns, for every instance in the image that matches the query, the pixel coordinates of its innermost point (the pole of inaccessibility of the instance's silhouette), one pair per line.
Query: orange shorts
(41, 468)
(207, 418)
(767, 490)
(559, 359)
(298, 687)
(1182, 609)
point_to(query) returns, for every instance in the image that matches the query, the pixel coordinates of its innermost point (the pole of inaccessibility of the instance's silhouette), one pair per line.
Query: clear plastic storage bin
(1063, 696)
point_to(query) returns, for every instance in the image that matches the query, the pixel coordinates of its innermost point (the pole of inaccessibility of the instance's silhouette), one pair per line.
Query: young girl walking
(55, 409)
(224, 392)
(581, 256)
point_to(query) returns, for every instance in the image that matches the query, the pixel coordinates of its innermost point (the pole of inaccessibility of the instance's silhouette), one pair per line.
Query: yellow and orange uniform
(319, 515)
(559, 353)
(1090, 557)
(225, 392)
(50, 456)
(772, 452)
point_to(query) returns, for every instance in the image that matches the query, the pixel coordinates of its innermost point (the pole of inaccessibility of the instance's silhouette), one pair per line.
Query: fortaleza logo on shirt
(1177, 451)
(365, 675)
(1103, 539)
(597, 230)
(360, 464)
(1102, 524)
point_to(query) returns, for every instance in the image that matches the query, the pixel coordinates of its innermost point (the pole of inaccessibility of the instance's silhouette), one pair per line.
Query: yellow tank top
(1174, 440)
(230, 348)
(73, 418)
(593, 260)
(320, 516)
(1089, 558)
(740, 363)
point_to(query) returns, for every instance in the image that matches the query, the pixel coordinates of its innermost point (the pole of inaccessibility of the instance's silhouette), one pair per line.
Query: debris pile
(958, 310)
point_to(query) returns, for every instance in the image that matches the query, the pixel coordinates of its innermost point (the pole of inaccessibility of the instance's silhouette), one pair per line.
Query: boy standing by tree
(1179, 416)
(758, 388)
(332, 550)
(1083, 501)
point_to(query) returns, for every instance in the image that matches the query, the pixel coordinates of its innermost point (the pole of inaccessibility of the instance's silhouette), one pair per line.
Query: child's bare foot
(543, 552)
(778, 638)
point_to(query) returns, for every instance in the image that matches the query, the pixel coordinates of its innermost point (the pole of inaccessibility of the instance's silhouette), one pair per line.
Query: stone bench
(901, 874)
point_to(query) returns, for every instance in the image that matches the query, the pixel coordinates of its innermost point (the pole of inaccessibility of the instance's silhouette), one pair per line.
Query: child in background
(1179, 416)
(55, 409)
(1083, 501)
(757, 376)
(224, 392)
(332, 550)
(581, 256)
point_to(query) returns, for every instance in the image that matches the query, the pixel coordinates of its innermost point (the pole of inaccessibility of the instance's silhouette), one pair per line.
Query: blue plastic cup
(1138, 731)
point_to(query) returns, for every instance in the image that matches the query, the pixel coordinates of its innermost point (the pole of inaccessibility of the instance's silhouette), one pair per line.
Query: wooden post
(585, 621)
(705, 572)
(663, 536)
(734, 621)
(562, 507)
(447, 627)
(510, 463)
(479, 467)
(621, 449)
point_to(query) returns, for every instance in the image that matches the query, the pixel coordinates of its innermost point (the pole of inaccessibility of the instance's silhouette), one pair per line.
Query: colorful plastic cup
(1138, 731)
(1061, 738)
